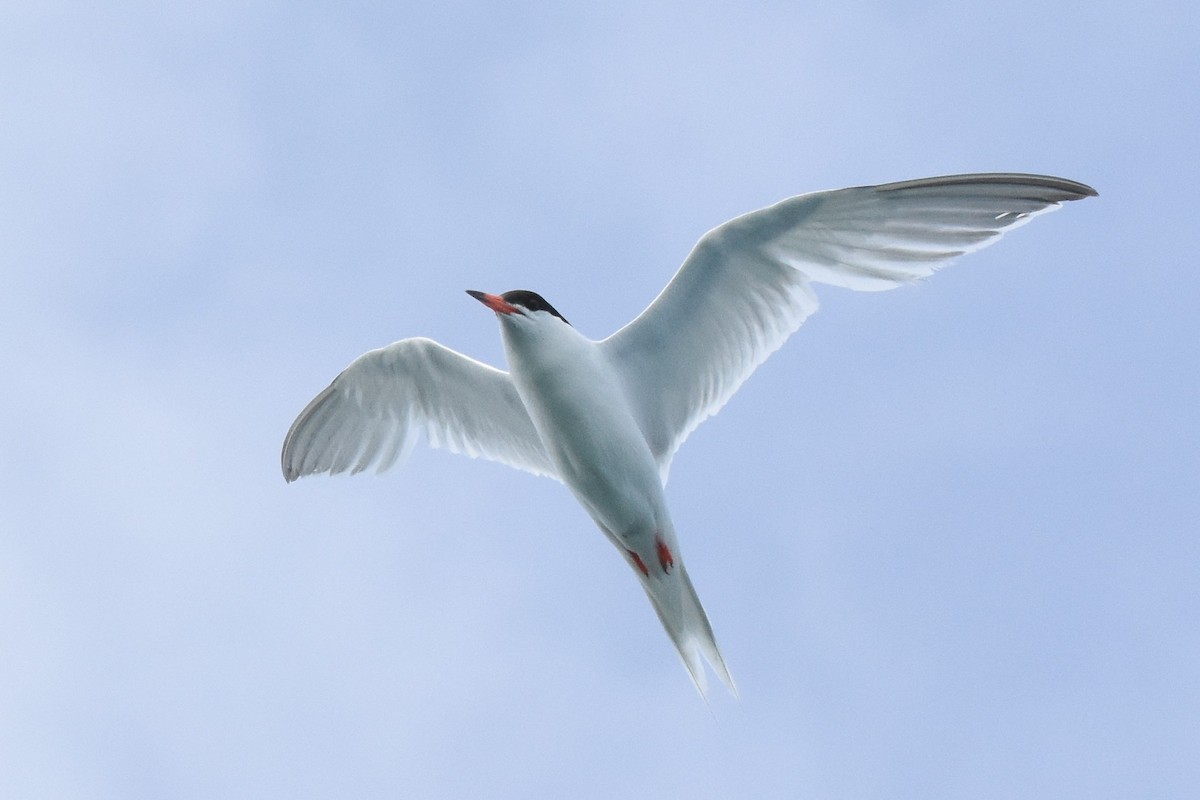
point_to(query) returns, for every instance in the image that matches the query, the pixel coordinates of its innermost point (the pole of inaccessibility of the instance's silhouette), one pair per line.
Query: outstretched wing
(745, 287)
(372, 412)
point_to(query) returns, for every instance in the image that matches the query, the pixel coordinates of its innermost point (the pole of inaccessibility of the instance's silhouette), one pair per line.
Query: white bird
(606, 417)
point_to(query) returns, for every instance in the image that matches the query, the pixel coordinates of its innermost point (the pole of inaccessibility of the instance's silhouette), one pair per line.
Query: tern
(606, 417)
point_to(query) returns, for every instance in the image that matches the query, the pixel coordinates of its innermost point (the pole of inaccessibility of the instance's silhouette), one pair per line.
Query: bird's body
(570, 392)
(585, 421)
(606, 417)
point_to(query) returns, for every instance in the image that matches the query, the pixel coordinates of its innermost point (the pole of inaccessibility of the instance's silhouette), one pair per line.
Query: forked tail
(679, 610)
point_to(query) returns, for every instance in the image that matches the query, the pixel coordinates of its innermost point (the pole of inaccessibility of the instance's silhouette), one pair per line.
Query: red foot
(665, 559)
(637, 562)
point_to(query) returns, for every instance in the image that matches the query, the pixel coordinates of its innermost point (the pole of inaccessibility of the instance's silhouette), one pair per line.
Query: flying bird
(606, 417)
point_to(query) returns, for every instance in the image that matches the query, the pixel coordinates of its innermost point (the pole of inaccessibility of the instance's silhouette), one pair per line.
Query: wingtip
(1072, 190)
(291, 471)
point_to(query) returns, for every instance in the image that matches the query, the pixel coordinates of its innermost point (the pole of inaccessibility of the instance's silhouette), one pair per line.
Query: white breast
(584, 419)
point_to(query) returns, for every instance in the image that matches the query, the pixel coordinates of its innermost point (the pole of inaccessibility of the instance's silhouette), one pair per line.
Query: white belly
(584, 421)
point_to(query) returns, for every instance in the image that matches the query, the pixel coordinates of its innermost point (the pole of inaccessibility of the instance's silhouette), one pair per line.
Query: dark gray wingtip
(1068, 189)
(290, 473)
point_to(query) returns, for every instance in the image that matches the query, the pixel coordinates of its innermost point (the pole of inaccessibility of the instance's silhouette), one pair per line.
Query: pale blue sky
(947, 536)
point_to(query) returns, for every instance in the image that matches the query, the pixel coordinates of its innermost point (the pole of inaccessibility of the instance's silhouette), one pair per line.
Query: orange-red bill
(494, 301)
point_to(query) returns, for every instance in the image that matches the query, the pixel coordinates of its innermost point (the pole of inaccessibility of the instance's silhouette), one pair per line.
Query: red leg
(665, 559)
(637, 562)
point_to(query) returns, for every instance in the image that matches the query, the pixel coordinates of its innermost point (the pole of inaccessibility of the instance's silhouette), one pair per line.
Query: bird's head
(519, 303)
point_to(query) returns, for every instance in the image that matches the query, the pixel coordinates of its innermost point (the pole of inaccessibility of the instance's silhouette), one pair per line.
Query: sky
(946, 536)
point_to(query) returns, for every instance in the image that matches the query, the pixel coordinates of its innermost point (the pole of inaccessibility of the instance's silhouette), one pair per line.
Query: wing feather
(373, 412)
(746, 286)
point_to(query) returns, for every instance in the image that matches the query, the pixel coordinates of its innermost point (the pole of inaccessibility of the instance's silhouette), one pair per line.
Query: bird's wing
(372, 412)
(745, 287)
